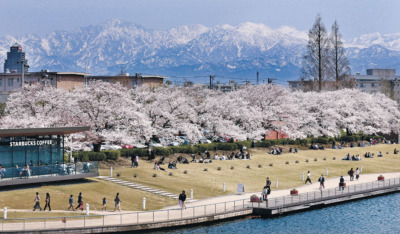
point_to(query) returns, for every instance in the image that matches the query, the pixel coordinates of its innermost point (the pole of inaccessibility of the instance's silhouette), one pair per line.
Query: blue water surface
(375, 215)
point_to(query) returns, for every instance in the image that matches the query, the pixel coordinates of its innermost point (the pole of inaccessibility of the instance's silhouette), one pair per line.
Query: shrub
(83, 156)
(97, 156)
(322, 140)
(303, 142)
(130, 152)
(205, 169)
(184, 149)
(154, 174)
(265, 144)
(219, 168)
(185, 172)
(287, 162)
(227, 146)
(248, 166)
(306, 160)
(291, 142)
(315, 159)
(324, 159)
(334, 158)
(170, 174)
(232, 167)
(162, 151)
(259, 166)
(134, 175)
(271, 164)
(297, 161)
(240, 144)
(118, 174)
(112, 154)
(347, 138)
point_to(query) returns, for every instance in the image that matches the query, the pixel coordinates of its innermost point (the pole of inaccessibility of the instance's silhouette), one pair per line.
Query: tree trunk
(96, 147)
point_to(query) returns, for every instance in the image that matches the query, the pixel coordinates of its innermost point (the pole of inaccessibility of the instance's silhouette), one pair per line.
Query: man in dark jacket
(80, 202)
(321, 181)
(182, 199)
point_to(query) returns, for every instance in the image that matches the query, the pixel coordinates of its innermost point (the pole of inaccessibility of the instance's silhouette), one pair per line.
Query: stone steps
(139, 186)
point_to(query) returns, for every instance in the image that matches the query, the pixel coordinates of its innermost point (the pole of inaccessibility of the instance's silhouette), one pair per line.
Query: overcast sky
(355, 17)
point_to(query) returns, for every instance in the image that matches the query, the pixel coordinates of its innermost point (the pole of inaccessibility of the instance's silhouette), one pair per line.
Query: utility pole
(211, 79)
(257, 77)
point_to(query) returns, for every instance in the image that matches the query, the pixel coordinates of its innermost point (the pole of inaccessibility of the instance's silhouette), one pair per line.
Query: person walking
(357, 173)
(71, 203)
(341, 183)
(80, 202)
(182, 199)
(137, 160)
(308, 178)
(264, 193)
(47, 202)
(104, 204)
(133, 160)
(37, 202)
(117, 201)
(268, 183)
(351, 174)
(321, 181)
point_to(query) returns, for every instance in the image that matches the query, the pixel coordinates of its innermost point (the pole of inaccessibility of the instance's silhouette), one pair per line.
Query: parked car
(204, 141)
(174, 144)
(155, 144)
(138, 145)
(109, 146)
(126, 146)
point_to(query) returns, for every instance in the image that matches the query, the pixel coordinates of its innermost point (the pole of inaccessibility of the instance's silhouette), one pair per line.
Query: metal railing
(156, 216)
(48, 170)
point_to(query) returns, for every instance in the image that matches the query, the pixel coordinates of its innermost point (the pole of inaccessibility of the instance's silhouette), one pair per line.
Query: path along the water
(199, 208)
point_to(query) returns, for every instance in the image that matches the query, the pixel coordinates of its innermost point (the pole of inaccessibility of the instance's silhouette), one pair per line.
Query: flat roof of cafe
(41, 131)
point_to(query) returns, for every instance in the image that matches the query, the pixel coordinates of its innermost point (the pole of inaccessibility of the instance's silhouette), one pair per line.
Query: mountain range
(192, 52)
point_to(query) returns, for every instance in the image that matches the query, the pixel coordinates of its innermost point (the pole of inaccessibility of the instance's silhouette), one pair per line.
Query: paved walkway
(329, 183)
(200, 208)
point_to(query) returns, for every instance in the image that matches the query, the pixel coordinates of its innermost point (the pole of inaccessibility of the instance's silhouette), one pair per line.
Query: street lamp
(23, 66)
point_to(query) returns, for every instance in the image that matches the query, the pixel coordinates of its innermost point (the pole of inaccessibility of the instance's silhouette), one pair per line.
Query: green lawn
(209, 183)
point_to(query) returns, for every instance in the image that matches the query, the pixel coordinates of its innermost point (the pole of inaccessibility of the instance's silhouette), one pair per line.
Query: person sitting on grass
(380, 154)
(396, 151)
(295, 150)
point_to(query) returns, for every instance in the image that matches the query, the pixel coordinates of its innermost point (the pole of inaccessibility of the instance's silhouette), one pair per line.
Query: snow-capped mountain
(191, 50)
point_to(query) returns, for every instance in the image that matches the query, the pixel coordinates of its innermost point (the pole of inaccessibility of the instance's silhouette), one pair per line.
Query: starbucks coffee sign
(32, 143)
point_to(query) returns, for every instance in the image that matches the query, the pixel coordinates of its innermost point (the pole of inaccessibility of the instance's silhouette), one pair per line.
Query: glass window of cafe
(31, 150)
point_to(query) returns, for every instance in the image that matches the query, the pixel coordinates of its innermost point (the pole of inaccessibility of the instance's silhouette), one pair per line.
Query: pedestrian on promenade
(321, 181)
(341, 183)
(357, 173)
(182, 199)
(117, 201)
(80, 202)
(351, 174)
(47, 202)
(268, 184)
(308, 178)
(104, 204)
(37, 202)
(264, 193)
(71, 203)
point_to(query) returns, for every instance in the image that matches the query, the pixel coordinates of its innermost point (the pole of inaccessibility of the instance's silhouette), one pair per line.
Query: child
(104, 204)
(71, 203)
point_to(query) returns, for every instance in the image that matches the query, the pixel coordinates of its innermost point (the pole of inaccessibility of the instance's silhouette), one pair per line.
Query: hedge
(162, 151)
(348, 138)
(240, 144)
(112, 154)
(130, 152)
(85, 156)
(184, 149)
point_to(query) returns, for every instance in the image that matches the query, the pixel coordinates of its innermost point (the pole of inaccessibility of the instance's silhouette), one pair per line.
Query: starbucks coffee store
(36, 155)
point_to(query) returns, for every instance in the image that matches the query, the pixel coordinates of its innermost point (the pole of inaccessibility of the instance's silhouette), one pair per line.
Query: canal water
(374, 215)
